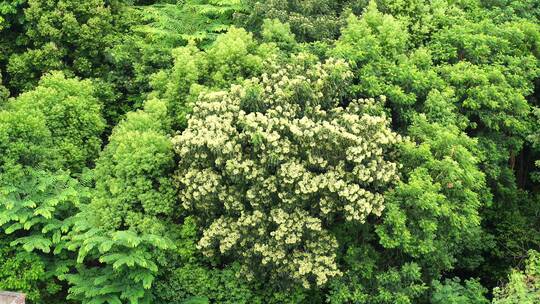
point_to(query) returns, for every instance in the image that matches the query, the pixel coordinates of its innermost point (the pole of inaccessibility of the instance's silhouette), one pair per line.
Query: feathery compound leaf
(175, 24)
(127, 238)
(30, 243)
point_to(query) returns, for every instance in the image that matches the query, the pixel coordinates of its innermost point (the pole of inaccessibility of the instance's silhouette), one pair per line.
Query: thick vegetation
(228, 151)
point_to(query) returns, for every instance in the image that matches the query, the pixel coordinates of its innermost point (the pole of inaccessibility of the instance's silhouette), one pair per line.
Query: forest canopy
(247, 151)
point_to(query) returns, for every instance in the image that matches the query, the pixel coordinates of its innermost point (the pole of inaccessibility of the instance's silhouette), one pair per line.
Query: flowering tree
(269, 165)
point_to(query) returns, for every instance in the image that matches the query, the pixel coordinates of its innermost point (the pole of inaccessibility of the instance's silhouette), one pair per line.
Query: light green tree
(523, 287)
(128, 216)
(47, 136)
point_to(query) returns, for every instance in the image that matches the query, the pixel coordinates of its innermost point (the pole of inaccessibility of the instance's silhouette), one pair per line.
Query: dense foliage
(269, 166)
(228, 151)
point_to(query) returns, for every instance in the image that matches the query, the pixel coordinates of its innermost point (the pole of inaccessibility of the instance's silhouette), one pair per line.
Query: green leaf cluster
(231, 151)
(47, 136)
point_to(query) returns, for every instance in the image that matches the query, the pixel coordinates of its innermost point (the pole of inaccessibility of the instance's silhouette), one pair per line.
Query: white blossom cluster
(269, 164)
